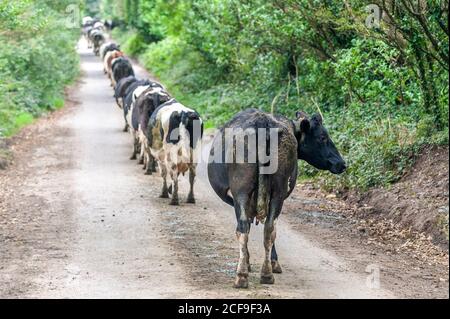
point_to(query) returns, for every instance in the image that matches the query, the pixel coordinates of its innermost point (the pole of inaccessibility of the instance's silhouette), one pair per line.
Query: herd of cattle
(166, 134)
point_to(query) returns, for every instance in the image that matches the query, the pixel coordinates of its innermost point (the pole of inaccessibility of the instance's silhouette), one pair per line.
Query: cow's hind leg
(242, 232)
(151, 164)
(276, 268)
(174, 175)
(269, 239)
(141, 160)
(135, 148)
(165, 190)
(192, 173)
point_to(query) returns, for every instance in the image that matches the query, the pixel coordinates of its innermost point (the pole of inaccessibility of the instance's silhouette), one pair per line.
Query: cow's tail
(263, 191)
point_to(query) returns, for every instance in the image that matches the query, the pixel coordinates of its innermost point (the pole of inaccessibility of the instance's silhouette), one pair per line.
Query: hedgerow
(37, 60)
(383, 90)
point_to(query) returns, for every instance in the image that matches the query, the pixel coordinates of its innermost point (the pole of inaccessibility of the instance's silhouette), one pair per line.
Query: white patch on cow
(175, 157)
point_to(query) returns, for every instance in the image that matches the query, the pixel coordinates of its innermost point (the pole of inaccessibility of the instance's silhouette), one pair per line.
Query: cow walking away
(256, 192)
(121, 68)
(144, 106)
(121, 88)
(127, 100)
(110, 58)
(108, 46)
(133, 118)
(174, 136)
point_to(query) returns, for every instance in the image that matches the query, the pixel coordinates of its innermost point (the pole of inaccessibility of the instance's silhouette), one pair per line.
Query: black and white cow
(133, 117)
(127, 99)
(108, 46)
(174, 136)
(97, 37)
(144, 106)
(121, 88)
(121, 68)
(257, 189)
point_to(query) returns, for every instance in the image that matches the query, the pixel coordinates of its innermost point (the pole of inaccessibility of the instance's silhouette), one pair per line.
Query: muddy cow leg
(135, 149)
(153, 163)
(269, 239)
(242, 232)
(145, 162)
(192, 174)
(149, 163)
(248, 253)
(165, 190)
(174, 175)
(276, 268)
(126, 127)
(141, 159)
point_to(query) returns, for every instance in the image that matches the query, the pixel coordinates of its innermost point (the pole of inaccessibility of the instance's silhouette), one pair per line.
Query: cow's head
(315, 145)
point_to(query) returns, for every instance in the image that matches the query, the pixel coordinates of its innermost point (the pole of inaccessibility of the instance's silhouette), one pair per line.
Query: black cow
(121, 68)
(121, 88)
(127, 98)
(109, 47)
(258, 194)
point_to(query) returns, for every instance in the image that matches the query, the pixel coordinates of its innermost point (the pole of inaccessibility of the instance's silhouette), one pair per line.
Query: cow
(121, 88)
(97, 37)
(174, 136)
(110, 58)
(132, 118)
(127, 100)
(121, 68)
(144, 106)
(257, 192)
(109, 46)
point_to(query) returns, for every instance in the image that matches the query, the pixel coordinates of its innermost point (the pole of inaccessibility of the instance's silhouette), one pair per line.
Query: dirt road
(78, 219)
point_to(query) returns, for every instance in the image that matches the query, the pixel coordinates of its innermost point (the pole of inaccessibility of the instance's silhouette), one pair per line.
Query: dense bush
(383, 91)
(37, 59)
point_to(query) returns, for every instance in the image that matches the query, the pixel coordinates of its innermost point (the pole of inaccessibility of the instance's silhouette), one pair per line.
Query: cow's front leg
(174, 174)
(269, 238)
(192, 174)
(165, 190)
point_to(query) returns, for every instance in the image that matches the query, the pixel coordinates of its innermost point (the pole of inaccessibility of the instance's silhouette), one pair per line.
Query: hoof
(267, 279)
(148, 172)
(164, 195)
(133, 157)
(276, 268)
(249, 268)
(190, 200)
(141, 161)
(241, 282)
(174, 202)
(125, 129)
